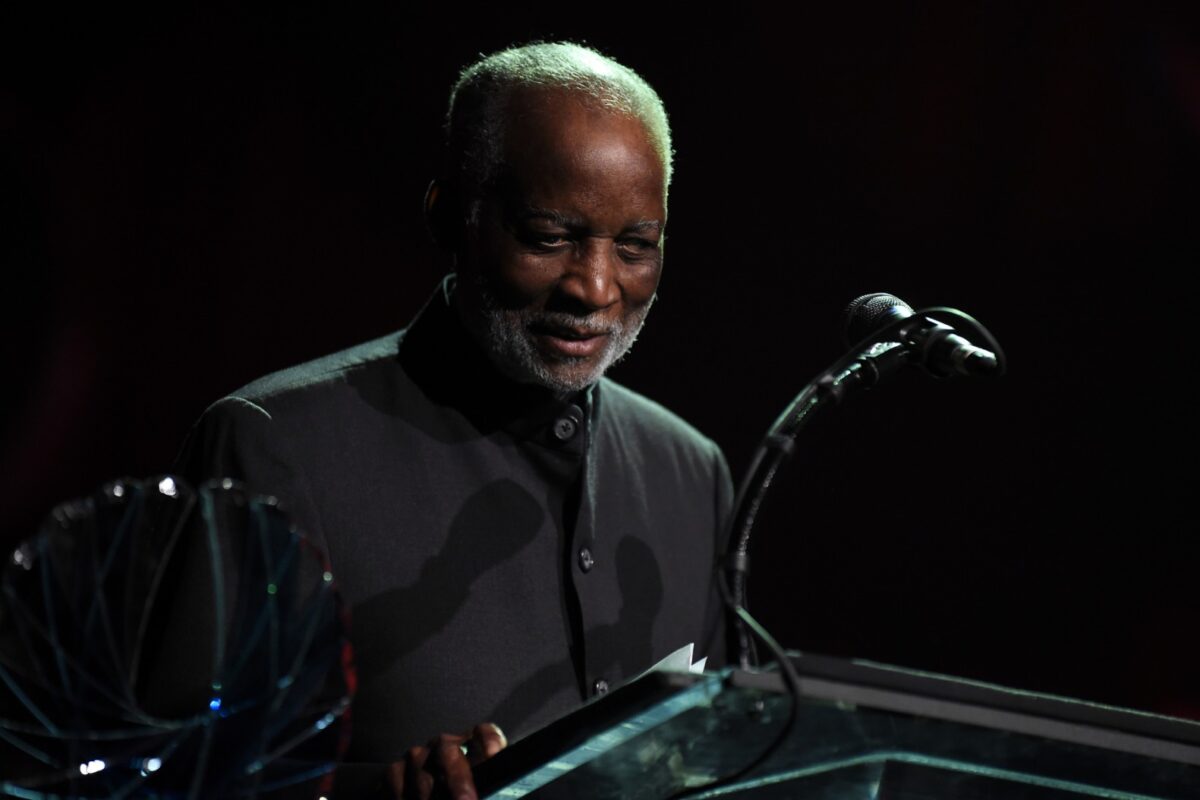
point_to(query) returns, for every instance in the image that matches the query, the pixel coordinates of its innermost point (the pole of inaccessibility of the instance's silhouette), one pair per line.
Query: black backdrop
(193, 198)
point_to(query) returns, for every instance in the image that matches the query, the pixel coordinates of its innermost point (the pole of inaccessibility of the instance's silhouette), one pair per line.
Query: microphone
(928, 343)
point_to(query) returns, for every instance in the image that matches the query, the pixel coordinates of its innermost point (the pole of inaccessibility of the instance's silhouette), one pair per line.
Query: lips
(568, 342)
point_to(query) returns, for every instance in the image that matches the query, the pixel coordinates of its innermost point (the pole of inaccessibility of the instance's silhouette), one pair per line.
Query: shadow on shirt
(427, 606)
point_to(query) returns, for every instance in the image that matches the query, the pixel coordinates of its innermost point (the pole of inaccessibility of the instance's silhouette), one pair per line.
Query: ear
(443, 215)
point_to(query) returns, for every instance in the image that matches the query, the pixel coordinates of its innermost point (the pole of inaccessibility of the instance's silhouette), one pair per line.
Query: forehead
(559, 147)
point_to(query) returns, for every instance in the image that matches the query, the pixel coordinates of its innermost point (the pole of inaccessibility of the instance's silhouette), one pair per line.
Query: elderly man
(513, 532)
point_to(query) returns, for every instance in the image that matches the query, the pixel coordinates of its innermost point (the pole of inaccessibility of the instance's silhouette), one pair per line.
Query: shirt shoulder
(274, 420)
(322, 373)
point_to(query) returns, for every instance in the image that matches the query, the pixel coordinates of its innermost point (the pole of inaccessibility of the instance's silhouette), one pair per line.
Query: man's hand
(445, 764)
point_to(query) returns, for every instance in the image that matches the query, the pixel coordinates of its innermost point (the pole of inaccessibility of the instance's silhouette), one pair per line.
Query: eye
(637, 247)
(543, 240)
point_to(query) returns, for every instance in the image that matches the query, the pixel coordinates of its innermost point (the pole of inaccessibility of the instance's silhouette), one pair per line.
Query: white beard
(512, 346)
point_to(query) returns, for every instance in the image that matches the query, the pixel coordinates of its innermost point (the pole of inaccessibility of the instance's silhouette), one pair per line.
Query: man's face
(557, 276)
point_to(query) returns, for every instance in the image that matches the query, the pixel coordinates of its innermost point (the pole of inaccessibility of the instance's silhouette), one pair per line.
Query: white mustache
(593, 323)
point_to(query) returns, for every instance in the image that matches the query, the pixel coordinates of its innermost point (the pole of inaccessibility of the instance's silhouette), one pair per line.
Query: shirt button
(600, 687)
(586, 562)
(564, 428)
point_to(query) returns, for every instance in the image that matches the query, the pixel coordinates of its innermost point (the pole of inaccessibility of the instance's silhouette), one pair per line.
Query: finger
(456, 768)
(417, 783)
(485, 741)
(395, 779)
(438, 744)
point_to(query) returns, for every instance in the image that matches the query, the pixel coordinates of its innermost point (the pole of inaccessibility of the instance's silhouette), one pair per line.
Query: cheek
(525, 279)
(640, 284)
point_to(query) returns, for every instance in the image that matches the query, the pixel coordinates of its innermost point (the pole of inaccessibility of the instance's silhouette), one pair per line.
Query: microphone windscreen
(869, 313)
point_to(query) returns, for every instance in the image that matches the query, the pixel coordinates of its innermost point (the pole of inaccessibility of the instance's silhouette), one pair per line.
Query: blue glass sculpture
(157, 641)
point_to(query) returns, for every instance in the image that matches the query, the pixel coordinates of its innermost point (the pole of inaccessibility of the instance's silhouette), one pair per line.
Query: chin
(553, 376)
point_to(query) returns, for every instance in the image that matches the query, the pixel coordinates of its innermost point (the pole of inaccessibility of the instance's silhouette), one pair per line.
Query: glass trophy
(160, 641)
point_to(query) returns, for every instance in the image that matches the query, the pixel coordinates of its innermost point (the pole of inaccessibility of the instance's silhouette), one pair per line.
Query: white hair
(478, 103)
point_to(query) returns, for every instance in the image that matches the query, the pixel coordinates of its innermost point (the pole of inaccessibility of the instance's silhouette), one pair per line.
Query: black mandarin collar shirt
(506, 554)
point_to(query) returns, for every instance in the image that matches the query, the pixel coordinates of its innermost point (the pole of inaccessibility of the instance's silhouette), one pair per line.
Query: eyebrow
(565, 221)
(646, 225)
(555, 217)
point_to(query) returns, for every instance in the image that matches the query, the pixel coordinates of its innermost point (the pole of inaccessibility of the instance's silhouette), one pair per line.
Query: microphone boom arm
(874, 358)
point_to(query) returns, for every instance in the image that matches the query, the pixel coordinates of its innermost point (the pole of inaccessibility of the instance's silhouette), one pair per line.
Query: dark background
(193, 198)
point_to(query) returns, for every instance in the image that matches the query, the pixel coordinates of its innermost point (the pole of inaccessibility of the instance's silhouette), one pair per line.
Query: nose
(592, 277)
